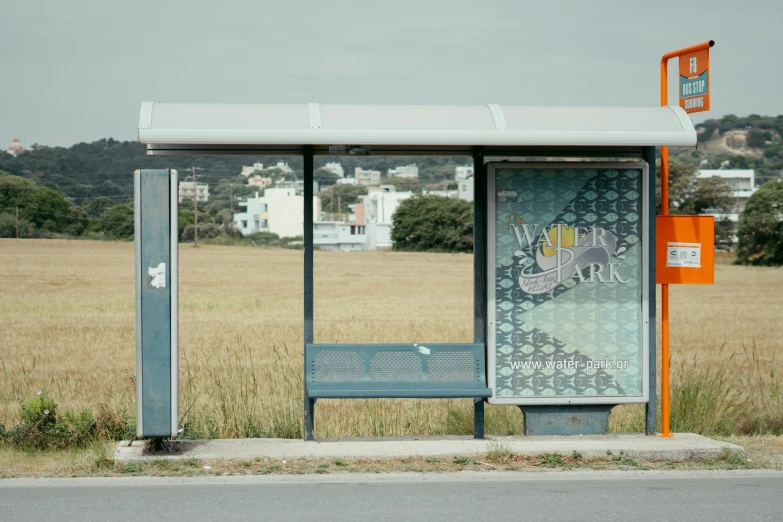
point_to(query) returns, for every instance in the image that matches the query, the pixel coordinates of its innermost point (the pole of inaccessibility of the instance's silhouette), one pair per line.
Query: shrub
(760, 229)
(118, 222)
(434, 224)
(205, 231)
(39, 428)
(114, 425)
(8, 226)
(266, 238)
(705, 400)
(42, 428)
(757, 137)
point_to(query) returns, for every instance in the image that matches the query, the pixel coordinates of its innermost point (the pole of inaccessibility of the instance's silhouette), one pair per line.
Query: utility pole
(195, 209)
(17, 222)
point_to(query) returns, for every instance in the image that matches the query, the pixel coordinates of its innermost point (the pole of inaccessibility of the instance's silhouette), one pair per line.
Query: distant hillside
(105, 167)
(752, 142)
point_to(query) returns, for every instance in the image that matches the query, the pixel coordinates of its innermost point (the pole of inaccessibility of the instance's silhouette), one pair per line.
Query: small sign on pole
(683, 254)
(695, 81)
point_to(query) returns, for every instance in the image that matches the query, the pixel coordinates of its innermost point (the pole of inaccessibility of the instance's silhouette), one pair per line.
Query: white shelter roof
(269, 126)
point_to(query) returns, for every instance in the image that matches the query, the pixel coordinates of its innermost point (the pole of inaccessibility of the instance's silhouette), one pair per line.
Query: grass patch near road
(94, 461)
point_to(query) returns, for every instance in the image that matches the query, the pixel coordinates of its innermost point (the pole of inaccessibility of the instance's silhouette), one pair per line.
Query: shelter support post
(479, 272)
(652, 404)
(309, 404)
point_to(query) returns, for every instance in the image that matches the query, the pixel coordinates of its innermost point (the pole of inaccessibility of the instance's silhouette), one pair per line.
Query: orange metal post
(665, 404)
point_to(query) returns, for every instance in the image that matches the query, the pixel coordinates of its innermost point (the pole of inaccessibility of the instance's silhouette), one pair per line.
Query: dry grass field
(67, 326)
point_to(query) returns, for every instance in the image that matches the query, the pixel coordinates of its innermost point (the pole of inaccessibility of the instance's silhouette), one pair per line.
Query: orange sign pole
(665, 399)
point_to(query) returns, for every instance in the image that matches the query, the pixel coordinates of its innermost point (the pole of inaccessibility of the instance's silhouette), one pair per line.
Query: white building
(742, 183)
(376, 210)
(297, 185)
(347, 181)
(247, 171)
(367, 177)
(370, 225)
(186, 191)
(335, 168)
(465, 189)
(408, 171)
(279, 211)
(282, 166)
(340, 236)
(453, 194)
(16, 148)
(463, 172)
(259, 181)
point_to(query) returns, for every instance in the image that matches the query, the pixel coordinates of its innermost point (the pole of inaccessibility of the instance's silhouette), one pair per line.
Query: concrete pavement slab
(683, 446)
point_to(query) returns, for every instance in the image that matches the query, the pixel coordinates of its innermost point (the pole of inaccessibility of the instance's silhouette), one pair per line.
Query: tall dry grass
(67, 320)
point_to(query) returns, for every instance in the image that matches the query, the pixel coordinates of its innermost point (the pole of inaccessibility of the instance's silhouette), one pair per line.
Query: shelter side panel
(567, 251)
(156, 302)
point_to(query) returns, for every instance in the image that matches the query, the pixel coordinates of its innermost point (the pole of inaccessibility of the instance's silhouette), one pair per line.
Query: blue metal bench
(350, 371)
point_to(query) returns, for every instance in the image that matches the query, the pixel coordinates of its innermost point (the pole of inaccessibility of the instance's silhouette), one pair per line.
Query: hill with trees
(749, 142)
(86, 190)
(105, 167)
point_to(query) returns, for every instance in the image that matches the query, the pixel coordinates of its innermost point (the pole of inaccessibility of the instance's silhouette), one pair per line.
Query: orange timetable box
(685, 250)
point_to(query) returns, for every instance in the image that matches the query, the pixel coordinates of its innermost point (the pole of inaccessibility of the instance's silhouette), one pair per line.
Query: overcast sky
(78, 70)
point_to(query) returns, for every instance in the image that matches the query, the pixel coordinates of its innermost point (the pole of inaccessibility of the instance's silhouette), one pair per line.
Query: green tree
(43, 207)
(434, 224)
(339, 196)
(760, 230)
(97, 206)
(712, 194)
(682, 177)
(437, 173)
(757, 137)
(117, 222)
(729, 122)
(8, 226)
(325, 178)
(709, 126)
(404, 184)
(690, 195)
(79, 221)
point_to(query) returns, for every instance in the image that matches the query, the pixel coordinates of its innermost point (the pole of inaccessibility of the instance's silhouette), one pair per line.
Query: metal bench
(352, 371)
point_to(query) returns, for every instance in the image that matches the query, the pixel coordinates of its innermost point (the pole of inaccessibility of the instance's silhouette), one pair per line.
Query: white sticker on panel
(686, 255)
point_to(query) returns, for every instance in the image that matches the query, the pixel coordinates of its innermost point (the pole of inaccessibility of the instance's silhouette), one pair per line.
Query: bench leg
(478, 418)
(309, 418)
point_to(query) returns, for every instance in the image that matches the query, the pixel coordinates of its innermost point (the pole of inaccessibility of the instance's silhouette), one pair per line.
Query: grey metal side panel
(156, 333)
(137, 278)
(174, 242)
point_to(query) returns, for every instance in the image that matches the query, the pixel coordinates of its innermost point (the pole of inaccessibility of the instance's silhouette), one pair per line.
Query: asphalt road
(698, 496)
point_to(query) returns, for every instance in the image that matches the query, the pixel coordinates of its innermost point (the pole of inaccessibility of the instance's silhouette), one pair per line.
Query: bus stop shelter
(605, 140)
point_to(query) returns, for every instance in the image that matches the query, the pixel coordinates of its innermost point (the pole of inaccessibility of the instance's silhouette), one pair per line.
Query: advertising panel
(567, 282)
